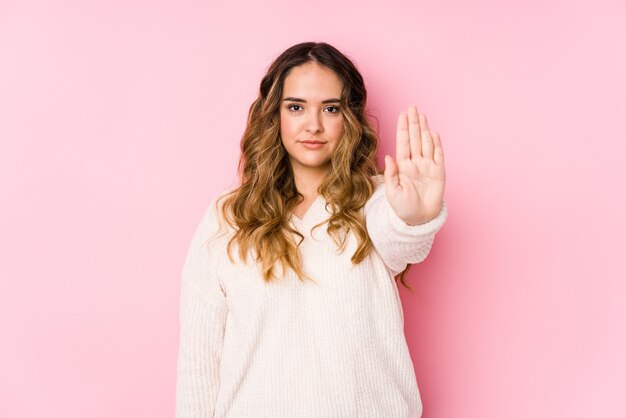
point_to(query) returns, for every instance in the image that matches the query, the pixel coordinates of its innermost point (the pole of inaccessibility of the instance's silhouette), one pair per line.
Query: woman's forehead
(312, 83)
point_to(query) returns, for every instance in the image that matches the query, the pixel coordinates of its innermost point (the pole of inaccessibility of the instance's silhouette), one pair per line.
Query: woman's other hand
(415, 182)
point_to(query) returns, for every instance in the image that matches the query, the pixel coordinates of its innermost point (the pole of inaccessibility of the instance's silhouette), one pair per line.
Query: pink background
(120, 120)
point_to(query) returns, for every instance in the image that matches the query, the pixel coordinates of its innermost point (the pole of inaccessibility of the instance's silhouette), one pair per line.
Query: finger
(438, 149)
(403, 150)
(391, 173)
(427, 141)
(414, 132)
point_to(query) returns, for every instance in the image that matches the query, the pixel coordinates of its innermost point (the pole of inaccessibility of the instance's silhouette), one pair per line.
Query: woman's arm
(398, 243)
(407, 207)
(203, 313)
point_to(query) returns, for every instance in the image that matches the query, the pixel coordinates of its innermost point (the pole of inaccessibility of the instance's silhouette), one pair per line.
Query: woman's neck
(308, 180)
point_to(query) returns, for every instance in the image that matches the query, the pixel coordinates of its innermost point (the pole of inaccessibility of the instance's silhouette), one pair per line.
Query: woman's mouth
(312, 144)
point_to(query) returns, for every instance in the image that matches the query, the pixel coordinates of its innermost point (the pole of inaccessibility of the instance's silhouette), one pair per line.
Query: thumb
(391, 173)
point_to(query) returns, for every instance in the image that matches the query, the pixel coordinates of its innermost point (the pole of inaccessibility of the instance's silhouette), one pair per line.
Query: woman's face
(309, 111)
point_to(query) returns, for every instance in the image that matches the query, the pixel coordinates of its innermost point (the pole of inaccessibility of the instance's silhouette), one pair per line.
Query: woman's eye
(291, 107)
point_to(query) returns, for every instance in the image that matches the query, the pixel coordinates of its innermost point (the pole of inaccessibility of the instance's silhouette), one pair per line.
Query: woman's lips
(312, 144)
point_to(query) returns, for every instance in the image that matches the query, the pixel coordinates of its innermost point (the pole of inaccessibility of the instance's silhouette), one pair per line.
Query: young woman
(288, 306)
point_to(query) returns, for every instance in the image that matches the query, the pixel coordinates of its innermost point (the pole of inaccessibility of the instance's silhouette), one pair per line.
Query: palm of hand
(416, 181)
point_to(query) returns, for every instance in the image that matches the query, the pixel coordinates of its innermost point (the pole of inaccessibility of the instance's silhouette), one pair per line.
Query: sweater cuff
(427, 228)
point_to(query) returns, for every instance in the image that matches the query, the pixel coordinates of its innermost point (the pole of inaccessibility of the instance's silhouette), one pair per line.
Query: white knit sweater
(299, 349)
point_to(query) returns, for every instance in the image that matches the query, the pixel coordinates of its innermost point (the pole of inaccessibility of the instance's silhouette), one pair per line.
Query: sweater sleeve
(397, 242)
(202, 319)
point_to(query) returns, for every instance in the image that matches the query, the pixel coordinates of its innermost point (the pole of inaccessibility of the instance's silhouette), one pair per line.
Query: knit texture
(334, 348)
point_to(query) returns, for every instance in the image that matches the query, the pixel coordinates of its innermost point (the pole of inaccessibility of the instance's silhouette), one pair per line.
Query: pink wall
(120, 120)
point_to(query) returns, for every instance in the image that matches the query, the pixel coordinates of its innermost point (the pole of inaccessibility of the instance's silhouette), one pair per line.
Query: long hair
(259, 209)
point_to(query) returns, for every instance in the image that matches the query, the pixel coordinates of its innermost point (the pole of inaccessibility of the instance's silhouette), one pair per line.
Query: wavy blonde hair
(260, 208)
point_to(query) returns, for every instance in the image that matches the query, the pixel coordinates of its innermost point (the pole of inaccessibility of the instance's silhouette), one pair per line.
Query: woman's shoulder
(379, 184)
(378, 179)
(213, 220)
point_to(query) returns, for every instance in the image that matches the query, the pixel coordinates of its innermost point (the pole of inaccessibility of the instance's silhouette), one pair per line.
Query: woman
(289, 306)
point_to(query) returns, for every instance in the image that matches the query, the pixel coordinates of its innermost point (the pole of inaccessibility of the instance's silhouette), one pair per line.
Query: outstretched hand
(414, 183)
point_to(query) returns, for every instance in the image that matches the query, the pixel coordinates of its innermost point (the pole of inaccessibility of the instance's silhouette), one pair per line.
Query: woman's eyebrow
(297, 99)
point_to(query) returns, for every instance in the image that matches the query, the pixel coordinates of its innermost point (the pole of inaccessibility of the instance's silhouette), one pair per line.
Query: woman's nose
(313, 122)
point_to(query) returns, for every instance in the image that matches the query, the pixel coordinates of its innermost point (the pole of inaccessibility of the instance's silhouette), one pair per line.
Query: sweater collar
(315, 214)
